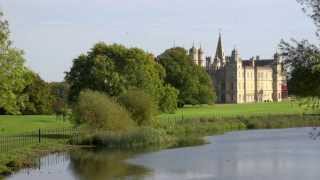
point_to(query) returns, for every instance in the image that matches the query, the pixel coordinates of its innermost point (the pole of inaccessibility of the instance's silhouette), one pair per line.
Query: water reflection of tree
(105, 165)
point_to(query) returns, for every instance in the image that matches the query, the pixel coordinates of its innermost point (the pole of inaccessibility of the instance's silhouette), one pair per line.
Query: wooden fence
(9, 142)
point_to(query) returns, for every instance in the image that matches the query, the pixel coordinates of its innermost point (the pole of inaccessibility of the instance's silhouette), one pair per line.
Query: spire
(220, 52)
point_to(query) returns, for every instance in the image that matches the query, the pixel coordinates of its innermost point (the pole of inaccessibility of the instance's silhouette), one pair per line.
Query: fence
(10, 142)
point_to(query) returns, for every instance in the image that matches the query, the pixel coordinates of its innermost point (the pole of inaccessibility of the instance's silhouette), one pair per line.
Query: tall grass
(134, 138)
(183, 132)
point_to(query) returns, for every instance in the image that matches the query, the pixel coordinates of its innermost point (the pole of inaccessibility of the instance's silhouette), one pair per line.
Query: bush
(140, 105)
(100, 112)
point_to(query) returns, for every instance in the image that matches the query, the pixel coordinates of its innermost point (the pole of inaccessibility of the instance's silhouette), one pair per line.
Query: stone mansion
(243, 81)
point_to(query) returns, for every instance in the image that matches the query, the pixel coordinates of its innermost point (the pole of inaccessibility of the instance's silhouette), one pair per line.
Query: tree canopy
(303, 58)
(113, 69)
(38, 97)
(14, 76)
(193, 83)
(303, 61)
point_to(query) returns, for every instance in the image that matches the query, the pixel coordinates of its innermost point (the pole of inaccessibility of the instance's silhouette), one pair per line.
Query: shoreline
(175, 134)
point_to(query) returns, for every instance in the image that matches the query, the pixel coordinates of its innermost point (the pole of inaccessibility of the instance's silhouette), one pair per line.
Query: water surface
(285, 154)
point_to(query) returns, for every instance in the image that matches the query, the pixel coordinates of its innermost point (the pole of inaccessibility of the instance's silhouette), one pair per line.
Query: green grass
(233, 110)
(21, 124)
(27, 155)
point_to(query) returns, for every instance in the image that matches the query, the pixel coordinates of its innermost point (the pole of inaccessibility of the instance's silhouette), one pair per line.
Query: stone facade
(243, 81)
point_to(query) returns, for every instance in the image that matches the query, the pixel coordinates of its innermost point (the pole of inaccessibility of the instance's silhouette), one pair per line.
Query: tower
(219, 59)
(193, 53)
(278, 77)
(201, 60)
(219, 73)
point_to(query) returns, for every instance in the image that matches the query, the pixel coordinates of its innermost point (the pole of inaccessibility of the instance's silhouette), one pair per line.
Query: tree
(169, 99)
(14, 76)
(193, 83)
(38, 97)
(140, 105)
(97, 111)
(59, 91)
(302, 60)
(114, 69)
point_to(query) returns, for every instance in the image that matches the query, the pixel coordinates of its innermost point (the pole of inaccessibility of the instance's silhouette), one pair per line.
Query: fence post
(39, 134)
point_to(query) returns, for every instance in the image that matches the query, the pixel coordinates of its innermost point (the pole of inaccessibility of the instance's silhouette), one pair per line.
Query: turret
(278, 77)
(253, 61)
(193, 53)
(235, 57)
(201, 60)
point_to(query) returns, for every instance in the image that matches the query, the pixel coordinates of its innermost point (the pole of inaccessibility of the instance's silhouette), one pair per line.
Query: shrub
(140, 105)
(100, 112)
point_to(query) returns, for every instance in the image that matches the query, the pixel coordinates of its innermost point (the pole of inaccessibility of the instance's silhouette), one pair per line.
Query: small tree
(97, 111)
(141, 106)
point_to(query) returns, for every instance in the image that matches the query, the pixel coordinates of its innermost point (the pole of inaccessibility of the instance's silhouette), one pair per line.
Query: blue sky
(53, 32)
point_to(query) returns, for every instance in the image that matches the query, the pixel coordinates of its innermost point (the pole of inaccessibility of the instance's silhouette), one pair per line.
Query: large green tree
(303, 58)
(14, 76)
(38, 97)
(59, 91)
(193, 83)
(113, 69)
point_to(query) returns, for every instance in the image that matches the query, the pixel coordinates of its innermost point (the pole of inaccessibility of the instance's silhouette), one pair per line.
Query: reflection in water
(286, 154)
(84, 165)
(104, 165)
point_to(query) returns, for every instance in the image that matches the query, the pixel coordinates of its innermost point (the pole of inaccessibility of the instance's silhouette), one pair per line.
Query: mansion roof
(262, 62)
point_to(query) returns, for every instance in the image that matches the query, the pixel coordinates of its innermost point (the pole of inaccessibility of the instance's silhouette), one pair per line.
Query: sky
(54, 32)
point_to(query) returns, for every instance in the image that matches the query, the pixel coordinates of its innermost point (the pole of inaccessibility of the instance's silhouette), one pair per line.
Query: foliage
(303, 60)
(312, 9)
(168, 101)
(193, 83)
(96, 72)
(134, 138)
(140, 105)
(38, 97)
(100, 112)
(206, 93)
(113, 69)
(14, 76)
(59, 91)
(310, 104)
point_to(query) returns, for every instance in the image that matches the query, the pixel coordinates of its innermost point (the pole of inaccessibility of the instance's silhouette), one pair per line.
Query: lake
(284, 154)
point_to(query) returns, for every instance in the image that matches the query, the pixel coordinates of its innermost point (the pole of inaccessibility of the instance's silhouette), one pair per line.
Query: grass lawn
(20, 124)
(231, 110)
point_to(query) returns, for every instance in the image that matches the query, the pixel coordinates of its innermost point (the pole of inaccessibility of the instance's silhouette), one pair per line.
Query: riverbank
(162, 134)
(24, 157)
(185, 132)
